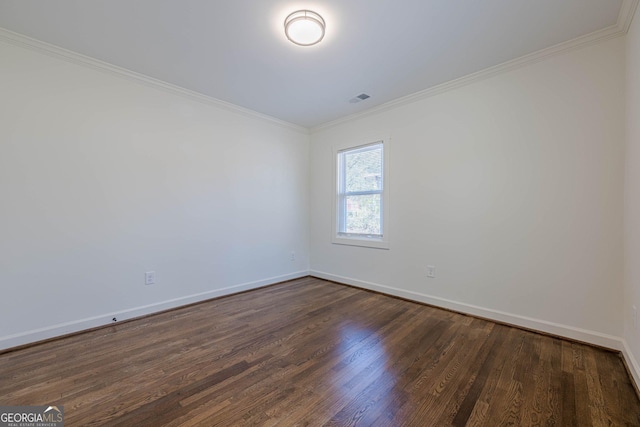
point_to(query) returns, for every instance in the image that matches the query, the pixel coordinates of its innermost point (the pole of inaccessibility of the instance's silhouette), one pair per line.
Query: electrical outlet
(293, 256)
(150, 278)
(634, 314)
(431, 271)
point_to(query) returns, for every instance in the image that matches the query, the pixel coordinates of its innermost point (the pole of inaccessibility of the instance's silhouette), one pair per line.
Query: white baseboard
(48, 332)
(591, 337)
(632, 363)
(596, 338)
(578, 334)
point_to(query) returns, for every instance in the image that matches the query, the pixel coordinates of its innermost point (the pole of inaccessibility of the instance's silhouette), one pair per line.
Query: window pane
(363, 214)
(363, 169)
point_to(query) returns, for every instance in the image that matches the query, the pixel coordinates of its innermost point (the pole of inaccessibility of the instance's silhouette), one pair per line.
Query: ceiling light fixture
(304, 27)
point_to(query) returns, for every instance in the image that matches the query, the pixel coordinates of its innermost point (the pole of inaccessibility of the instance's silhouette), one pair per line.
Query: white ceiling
(236, 51)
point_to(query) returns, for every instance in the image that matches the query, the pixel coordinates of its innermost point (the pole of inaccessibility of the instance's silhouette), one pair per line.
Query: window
(361, 202)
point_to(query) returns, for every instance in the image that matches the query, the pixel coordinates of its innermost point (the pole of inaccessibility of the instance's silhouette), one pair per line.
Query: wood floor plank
(504, 393)
(311, 353)
(486, 359)
(582, 397)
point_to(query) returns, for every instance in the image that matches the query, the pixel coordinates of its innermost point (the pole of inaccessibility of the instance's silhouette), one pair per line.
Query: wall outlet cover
(149, 277)
(431, 271)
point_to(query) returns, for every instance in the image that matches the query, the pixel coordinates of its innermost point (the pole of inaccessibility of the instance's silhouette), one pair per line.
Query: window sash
(343, 194)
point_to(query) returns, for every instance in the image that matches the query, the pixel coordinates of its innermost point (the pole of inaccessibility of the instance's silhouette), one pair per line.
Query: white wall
(512, 187)
(103, 178)
(632, 196)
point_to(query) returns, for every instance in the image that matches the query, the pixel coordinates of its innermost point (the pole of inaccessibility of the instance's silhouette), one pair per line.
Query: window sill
(368, 242)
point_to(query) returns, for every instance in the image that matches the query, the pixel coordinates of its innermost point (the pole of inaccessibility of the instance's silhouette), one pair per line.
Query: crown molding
(627, 12)
(625, 17)
(621, 27)
(23, 41)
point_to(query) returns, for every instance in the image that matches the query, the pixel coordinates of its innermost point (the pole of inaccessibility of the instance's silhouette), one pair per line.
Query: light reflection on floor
(362, 353)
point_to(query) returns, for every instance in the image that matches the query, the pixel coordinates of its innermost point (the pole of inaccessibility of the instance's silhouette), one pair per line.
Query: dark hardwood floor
(311, 352)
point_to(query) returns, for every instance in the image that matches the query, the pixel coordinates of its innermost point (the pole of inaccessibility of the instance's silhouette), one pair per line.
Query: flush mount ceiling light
(304, 27)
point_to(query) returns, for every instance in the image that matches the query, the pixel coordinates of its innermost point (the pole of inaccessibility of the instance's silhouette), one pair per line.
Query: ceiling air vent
(359, 98)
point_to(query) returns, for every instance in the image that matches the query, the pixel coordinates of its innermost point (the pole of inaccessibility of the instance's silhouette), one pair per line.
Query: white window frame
(370, 241)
